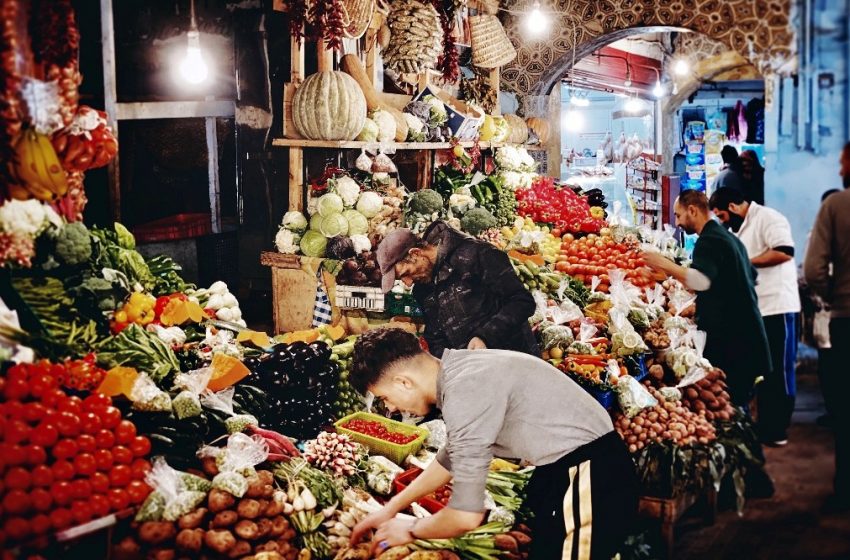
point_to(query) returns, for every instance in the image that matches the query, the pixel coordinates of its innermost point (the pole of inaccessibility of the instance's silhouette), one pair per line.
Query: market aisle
(789, 525)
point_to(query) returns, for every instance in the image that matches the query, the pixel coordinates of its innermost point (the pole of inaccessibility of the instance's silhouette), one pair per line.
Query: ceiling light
(628, 82)
(658, 90)
(633, 105)
(536, 22)
(193, 69)
(681, 67)
(573, 121)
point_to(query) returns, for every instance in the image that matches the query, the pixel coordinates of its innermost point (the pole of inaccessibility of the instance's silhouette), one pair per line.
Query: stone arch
(758, 30)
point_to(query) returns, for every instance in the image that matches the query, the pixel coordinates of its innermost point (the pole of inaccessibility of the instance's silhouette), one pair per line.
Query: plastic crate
(392, 451)
(402, 304)
(179, 226)
(403, 480)
(605, 397)
(637, 366)
(360, 297)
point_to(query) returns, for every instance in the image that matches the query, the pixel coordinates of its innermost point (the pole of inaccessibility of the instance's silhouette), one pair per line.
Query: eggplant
(322, 350)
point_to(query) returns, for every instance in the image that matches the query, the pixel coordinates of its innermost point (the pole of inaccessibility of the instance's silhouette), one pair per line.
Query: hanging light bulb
(675, 88)
(628, 82)
(193, 68)
(573, 121)
(658, 90)
(681, 67)
(633, 105)
(536, 22)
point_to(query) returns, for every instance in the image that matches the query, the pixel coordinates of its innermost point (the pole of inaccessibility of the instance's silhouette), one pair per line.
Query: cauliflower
(287, 241)
(294, 221)
(386, 125)
(27, 218)
(73, 244)
(361, 243)
(438, 115)
(461, 203)
(426, 202)
(415, 128)
(370, 203)
(370, 131)
(477, 221)
(348, 189)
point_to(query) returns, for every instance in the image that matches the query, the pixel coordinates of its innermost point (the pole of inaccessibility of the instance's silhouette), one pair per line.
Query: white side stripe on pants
(578, 514)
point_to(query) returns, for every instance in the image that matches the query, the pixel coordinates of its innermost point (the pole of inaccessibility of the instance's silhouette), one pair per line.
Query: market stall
(144, 409)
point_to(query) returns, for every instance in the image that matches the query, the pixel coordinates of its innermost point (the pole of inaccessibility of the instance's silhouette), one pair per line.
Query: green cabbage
(333, 225)
(329, 203)
(316, 222)
(294, 221)
(370, 203)
(313, 244)
(369, 132)
(357, 222)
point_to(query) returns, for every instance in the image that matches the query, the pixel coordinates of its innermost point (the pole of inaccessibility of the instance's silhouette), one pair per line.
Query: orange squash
(226, 371)
(118, 381)
(540, 127)
(522, 257)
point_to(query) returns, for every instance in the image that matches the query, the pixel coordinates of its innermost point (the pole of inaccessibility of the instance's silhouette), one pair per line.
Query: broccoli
(426, 202)
(73, 244)
(477, 221)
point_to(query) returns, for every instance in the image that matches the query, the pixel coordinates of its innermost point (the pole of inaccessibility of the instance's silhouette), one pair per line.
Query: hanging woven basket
(491, 47)
(490, 7)
(358, 15)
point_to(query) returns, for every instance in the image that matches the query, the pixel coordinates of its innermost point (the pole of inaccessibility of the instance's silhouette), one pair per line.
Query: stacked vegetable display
(560, 207)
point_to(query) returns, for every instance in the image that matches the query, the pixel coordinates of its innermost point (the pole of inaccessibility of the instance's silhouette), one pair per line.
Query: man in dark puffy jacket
(469, 294)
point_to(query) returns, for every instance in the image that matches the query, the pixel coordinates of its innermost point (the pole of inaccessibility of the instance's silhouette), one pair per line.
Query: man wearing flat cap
(469, 294)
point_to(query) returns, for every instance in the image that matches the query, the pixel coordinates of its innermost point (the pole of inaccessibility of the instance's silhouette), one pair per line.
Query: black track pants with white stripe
(585, 504)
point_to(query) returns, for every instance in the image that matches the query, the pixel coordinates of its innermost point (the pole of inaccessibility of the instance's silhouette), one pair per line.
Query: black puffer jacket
(474, 293)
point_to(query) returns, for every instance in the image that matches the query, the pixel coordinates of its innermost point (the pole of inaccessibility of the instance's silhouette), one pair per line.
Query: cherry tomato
(140, 446)
(85, 464)
(87, 443)
(62, 470)
(42, 476)
(104, 459)
(120, 475)
(44, 434)
(99, 482)
(122, 455)
(140, 468)
(60, 518)
(16, 389)
(36, 455)
(40, 384)
(40, 524)
(68, 424)
(17, 528)
(81, 489)
(61, 492)
(110, 416)
(34, 412)
(138, 491)
(118, 499)
(17, 478)
(72, 404)
(16, 502)
(41, 499)
(14, 454)
(104, 439)
(65, 449)
(81, 510)
(53, 398)
(100, 505)
(17, 431)
(90, 423)
(96, 402)
(125, 431)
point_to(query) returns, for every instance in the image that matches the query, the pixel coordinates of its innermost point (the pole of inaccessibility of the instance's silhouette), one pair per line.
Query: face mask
(735, 222)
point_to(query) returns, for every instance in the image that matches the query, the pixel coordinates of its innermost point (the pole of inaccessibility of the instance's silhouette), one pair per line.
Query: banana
(57, 179)
(42, 189)
(25, 170)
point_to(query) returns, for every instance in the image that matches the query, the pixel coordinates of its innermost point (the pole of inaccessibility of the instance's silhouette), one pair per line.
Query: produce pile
(559, 207)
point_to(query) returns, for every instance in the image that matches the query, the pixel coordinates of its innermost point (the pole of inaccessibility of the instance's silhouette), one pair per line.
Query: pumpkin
(539, 127)
(329, 106)
(519, 130)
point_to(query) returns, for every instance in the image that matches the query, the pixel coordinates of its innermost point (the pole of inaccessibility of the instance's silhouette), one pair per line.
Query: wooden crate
(669, 510)
(294, 286)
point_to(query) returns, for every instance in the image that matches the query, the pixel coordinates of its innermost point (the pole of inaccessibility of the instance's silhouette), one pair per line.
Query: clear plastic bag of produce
(148, 397)
(595, 295)
(437, 435)
(172, 497)
(236, 461)
(624, 294)
(583, 345)
(612, 372)
(700, 366)
(223, 402)
(625, 341)
(632, 396)
(556, 336)
(380, 473)
(655, 301)
(680, 301)
(670, 394)
(187, 403)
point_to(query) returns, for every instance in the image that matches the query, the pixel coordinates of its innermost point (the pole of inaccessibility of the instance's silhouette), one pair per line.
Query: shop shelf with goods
(644, 190)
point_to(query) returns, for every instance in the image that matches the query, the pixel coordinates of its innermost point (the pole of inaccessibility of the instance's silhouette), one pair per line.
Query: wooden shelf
(356, 144)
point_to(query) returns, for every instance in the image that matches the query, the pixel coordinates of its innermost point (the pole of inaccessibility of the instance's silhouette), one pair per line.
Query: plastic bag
(670, 394)
(363, 162)
(625, 341)
(171, 497)
(633, 397)
(236, 461)
(698, 367)
(437, 434)
(187, 403)
(680, 301)
(612, 371)
(560, 336)
(223, 402)
(583, 345)
(148, 397)
(380, 473)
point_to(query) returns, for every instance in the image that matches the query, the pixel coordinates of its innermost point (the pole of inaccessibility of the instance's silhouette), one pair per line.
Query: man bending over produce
(469, 294)
(498, 403)
(727, 307)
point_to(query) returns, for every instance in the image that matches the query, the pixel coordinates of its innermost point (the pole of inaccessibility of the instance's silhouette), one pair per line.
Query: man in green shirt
(727, 306)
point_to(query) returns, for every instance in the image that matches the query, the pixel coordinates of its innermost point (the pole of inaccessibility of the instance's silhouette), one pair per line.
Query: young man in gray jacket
(500, 403)
(827, 271)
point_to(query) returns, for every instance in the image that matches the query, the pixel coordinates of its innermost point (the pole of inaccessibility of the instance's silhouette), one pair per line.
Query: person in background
(470, 296)
(753, 176)
(726, 309)
(827, 271)
(584, 490)
(732, 174)
(766, 235)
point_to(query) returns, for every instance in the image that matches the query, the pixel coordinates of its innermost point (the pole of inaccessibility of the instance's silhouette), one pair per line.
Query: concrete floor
(789, 525)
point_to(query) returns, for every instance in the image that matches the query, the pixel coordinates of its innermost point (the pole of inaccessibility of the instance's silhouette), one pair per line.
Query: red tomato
(100, 505)
(15, 410)
(62, 470)
(99, 482)
(85, 464)
(17, 431)
(109, 416)
(72, 404)
(90, 423)
(122, 455)
(16, 501)
(68, 424)
(17, 478)
(36, 455)
(40, 524)
(17, 528)
(81, 510)
(14, 454)
(41, 384)
(41, 499)
(104, 459)
(44, 434)
(81, 489)
(61, 492)
(65, 449)
(125, 431)
(60, 518)
(140, 446)
(96, 402)
(140, 468)
(120, 475)
(104, 439)
(87, 443)
(42, 476)
(138, 491)
(53, 398)
(118, 499)
(34, 412)
(16, 389)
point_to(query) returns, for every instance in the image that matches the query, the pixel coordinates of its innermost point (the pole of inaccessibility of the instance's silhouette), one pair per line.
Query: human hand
(656, 261)
(476, 344)
(395, 532)
(371, 521)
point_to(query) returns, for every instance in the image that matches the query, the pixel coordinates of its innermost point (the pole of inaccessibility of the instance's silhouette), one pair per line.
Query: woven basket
(358, 16)
(491, 47)
(485, 6)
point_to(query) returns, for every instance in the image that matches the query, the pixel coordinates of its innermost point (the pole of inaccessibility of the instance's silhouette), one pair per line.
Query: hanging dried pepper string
(297, 19)
(448, 63)
(327, 22)
(56, 45)
(10, 104)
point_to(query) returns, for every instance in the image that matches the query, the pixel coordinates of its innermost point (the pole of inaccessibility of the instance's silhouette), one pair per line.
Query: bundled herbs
(136, 347)
(116, 249)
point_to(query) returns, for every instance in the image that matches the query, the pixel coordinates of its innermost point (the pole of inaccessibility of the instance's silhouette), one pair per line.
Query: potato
(289, 534)
(248, 508)
(424, 555)
(224, 518)
(270, 546)
(279, 526)
(448, 555)
(161, 554)
(209, 465)
(395, 553)
(220, 500)
(190, 540)
(271, 556)
(247, 529)
(255, 487)
(272, 509)
(268, 491)
(192, 520)
(156, 532)
(127, 549)
(506, 543)
(264, 527)
(220, 540)
(240, 549)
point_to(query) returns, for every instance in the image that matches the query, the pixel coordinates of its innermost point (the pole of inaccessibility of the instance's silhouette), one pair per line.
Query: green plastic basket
(392, 451)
